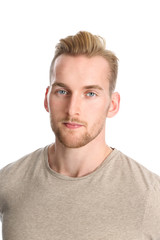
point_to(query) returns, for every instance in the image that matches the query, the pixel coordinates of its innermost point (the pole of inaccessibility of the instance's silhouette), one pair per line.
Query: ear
(46, 100)
(114, 105)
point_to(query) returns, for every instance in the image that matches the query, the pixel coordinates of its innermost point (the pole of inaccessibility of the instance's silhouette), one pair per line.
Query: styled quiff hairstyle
(85, 43)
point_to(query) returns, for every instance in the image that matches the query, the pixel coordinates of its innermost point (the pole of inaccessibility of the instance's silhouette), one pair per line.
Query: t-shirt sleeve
(151, 220)
(0, 197)
(1, 191)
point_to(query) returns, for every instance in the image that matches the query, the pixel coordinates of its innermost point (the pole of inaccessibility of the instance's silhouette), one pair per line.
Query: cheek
(54, 105)
(97, 109)
(96, 114)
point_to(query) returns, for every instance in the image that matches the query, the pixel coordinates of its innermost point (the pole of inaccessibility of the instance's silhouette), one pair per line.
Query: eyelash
(93, 93)
(66, 92)
(61, 91)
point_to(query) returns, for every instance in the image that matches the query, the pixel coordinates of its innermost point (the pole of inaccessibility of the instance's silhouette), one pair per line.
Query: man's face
(78, 99)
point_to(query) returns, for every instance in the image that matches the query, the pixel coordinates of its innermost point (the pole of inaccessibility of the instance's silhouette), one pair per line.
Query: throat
(75, 167)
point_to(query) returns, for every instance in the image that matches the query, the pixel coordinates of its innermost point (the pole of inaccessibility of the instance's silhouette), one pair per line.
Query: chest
(73, 213)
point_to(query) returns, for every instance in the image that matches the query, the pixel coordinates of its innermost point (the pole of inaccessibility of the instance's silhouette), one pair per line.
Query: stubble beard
(71, 139)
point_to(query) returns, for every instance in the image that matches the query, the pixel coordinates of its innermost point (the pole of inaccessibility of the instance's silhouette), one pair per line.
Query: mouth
(72, 125)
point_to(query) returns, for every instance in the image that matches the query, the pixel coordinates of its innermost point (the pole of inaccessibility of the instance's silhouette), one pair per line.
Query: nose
(73, 105)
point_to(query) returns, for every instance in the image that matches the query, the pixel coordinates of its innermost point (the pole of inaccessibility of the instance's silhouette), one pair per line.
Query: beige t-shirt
(120, 200)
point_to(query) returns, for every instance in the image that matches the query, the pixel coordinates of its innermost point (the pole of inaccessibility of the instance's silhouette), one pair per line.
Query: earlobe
(114, 105)
(46, 100)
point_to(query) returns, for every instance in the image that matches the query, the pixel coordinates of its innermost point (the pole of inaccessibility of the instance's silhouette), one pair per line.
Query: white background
(29, 31)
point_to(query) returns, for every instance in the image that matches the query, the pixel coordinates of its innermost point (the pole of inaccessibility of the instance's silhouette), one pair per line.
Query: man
(79, 187)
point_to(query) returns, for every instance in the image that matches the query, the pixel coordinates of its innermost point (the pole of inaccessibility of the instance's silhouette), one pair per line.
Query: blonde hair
(85, 43)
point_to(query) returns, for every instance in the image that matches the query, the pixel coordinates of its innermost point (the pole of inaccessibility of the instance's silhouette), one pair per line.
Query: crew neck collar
(105, 162)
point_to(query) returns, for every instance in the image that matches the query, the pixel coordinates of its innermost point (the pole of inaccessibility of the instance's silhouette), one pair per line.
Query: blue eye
(91, 94)
(62, 92)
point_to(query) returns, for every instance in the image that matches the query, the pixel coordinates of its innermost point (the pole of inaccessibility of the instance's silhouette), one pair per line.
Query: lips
(72, 125)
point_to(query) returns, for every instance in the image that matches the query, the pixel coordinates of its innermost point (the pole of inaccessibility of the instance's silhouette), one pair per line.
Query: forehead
(80, 68)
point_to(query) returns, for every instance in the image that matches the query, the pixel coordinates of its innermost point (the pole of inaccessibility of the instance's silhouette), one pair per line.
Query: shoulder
(141, 176)
(21, 166)
(17, 176)
(145, 183)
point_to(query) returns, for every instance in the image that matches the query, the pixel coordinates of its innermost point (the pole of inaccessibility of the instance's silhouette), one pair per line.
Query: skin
(79, 93)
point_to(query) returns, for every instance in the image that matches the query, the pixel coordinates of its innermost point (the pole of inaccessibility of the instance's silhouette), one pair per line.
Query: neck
(77, 162)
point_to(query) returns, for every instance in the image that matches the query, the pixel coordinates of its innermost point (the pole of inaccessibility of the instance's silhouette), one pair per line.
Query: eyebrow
(59, 84)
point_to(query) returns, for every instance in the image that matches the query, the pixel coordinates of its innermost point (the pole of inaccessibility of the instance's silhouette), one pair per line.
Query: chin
(72, 141)
(72, 144)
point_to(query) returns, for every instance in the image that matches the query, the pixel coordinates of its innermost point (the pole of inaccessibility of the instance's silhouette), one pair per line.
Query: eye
(62, 92)
(91, 94)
